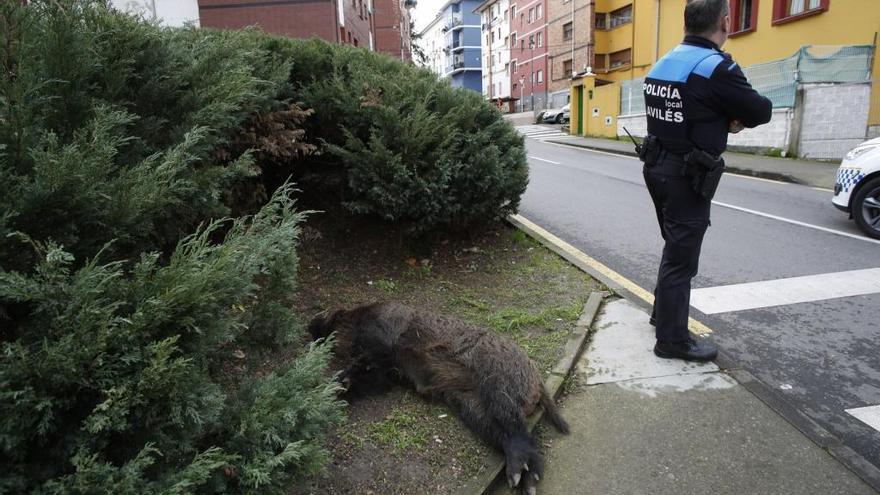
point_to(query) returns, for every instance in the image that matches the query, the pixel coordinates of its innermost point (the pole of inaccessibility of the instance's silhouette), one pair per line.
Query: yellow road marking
(582, 261)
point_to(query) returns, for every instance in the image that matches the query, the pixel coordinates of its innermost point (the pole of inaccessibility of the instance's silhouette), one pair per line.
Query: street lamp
(522, 82)
(532, 68)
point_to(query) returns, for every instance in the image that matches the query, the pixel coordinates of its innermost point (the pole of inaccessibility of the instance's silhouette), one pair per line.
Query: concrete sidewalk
(808, 172)
(641, 425)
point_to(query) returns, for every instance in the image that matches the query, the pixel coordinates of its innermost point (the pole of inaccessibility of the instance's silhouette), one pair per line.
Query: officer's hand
(735, 126)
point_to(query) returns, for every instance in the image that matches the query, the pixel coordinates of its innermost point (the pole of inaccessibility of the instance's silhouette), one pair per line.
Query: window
(789, 10)
(567, 68)
(539, 11)
(493, 36)
(513, 40)
(796, 7)
(531, 41)
(505, 16)
(512, 11)
(531, 14)
(743, 16)
(540, 76)
(567, 30)
(601, 21)
(620, 59)
(601, 62)
(540, 39)
(622, 16)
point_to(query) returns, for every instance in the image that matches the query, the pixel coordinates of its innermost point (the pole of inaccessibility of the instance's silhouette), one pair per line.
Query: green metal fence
(778, 80)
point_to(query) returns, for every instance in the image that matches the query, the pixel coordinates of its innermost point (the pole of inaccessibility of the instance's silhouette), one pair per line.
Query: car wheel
(558, 119)
(866, 208)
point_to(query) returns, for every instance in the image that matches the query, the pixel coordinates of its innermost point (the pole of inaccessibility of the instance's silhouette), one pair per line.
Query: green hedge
(407, 146)
(122, 320)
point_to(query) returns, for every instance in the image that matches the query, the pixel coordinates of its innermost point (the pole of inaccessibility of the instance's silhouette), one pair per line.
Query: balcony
(453, 22)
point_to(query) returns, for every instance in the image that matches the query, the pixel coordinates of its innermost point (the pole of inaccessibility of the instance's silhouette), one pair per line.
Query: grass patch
(401, 430)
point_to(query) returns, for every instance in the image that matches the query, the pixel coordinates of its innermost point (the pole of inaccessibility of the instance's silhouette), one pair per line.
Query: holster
(649, 150)
(704, 172)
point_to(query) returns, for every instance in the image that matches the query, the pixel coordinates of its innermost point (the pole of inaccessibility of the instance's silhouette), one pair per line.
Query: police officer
(695, 95)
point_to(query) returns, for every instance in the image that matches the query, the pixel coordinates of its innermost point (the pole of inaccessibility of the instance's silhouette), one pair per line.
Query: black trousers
(683, 216)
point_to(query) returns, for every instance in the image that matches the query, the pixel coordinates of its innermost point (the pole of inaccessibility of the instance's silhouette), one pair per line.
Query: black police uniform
(691, 96)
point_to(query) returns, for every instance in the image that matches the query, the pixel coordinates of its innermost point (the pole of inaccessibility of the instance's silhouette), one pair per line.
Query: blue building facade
(454, 44)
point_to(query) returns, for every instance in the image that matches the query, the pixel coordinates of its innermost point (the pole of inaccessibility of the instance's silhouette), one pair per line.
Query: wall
(775, 134)
(639, 36)
(602, 110)
(835, 119)
(283, 19)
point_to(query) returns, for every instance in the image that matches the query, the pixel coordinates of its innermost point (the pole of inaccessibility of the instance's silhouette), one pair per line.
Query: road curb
(728, 168)
(571, 353)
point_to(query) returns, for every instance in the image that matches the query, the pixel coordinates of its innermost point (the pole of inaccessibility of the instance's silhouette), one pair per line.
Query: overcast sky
(425, 12)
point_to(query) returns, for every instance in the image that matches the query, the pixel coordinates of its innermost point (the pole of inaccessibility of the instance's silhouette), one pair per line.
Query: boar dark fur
(486, 378)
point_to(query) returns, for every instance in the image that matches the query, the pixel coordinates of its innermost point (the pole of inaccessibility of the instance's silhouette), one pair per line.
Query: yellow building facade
(763, 31)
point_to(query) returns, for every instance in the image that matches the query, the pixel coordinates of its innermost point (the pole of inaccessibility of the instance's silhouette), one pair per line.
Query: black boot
(689, 350)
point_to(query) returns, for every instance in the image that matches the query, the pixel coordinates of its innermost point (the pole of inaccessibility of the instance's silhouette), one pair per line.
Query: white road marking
(752, 295)
(795, 222)
(543, 160)
(869, 415)
(751, 177)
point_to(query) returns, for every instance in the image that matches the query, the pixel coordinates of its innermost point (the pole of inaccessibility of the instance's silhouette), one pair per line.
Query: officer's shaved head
(701, 17)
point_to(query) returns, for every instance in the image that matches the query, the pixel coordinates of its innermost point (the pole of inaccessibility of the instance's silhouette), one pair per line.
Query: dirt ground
(398, 442)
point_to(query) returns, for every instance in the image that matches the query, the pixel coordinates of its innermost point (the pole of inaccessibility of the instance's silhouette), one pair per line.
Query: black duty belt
(672, 164)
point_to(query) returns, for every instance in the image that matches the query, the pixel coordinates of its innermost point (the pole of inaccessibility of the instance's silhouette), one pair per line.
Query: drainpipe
(657, 34)
(573, 65)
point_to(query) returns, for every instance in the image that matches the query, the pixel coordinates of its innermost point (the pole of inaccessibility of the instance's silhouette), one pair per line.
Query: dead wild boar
(486, 378)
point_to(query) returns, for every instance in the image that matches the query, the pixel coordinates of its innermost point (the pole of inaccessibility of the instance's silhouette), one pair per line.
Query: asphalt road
(822, 356)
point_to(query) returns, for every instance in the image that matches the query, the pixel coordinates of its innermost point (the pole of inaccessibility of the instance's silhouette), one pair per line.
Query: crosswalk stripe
(540, 133)
(869, 415)
(794, 290)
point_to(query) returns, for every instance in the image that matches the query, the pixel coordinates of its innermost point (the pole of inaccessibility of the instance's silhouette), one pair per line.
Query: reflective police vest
(667, 95)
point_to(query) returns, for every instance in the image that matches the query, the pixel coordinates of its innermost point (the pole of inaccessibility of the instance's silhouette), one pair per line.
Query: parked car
(857, 188)
(558, 115)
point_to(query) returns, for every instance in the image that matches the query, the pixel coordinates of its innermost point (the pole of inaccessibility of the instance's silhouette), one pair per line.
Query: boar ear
(323, 325)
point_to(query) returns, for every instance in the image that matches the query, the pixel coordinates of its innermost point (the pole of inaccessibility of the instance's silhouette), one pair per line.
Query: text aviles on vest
(671, 98)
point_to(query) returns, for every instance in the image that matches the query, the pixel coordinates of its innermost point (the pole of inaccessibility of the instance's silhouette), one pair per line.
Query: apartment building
(495, 42)
(341, 21)
(452, 44)
(392, 24)
(570, 46)
(529, 50)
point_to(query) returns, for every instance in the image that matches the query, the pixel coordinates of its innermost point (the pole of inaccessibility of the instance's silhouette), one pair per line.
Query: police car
(857, 188)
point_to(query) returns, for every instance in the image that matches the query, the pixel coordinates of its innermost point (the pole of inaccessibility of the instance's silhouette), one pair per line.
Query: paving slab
(642, 425)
